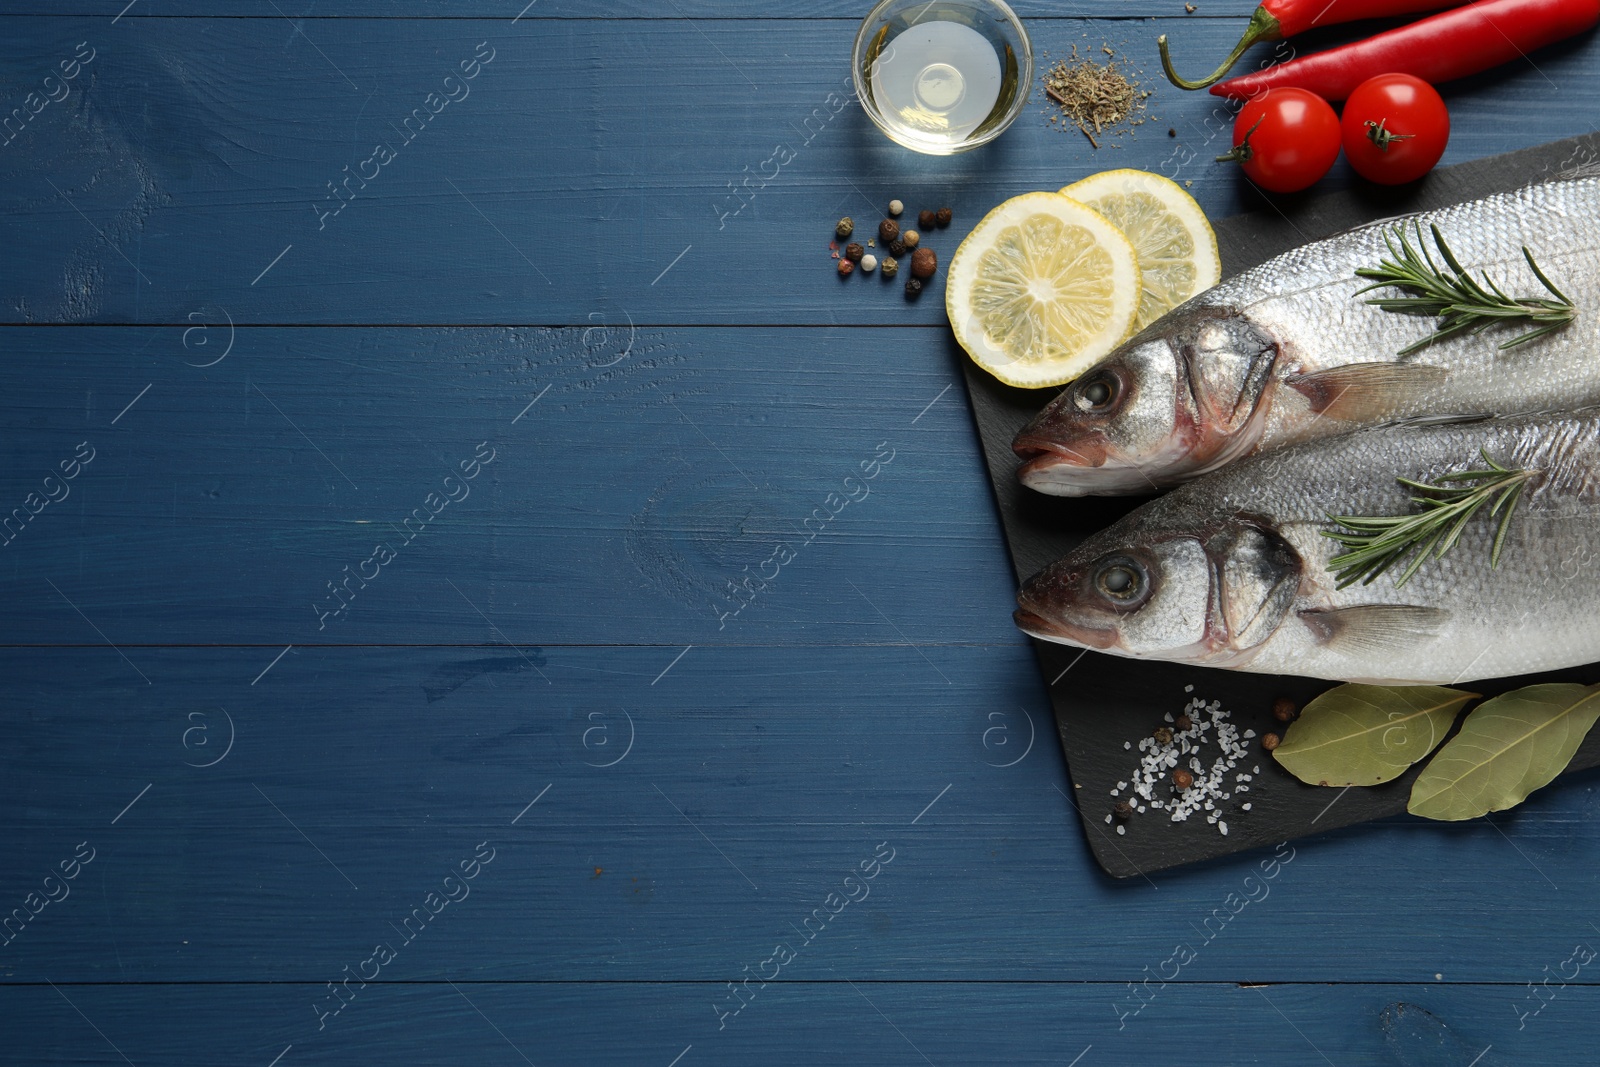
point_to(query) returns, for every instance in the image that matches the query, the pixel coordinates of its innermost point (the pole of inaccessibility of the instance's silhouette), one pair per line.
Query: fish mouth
(1044, 628)
(1060, 470)
(1033, 449)
(1048, 466)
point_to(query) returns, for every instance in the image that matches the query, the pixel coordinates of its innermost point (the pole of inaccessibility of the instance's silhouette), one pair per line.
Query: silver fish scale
(1307, 299)
(1536, 611)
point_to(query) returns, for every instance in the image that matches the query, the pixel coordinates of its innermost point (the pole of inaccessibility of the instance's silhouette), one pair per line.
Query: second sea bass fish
(1287, 352)
(1232, 570)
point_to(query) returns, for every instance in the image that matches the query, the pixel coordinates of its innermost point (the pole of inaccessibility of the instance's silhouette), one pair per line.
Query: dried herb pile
(1095, 97)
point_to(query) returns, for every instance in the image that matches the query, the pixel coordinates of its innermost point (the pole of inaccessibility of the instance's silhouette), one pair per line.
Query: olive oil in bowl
(942, 77)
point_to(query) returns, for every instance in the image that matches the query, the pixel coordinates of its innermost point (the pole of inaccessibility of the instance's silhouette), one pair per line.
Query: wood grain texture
(735, 148)
(800, 1022)
(655, 468)
(713, 383)
(756, 780)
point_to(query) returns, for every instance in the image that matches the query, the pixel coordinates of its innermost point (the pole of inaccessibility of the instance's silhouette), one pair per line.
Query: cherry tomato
(1394, 128)
(1285, 139)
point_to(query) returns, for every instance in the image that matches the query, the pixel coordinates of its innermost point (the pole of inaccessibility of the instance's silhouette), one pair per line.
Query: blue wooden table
(404, 404)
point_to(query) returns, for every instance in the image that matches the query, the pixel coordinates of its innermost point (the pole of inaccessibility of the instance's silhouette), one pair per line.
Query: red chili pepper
(1452, 44)
(1276, 19)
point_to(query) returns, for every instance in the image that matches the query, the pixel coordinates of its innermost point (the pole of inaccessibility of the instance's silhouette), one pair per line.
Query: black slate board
(1102, 701)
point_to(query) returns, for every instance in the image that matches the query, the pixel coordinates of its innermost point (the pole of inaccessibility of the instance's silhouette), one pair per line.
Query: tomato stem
(1379, 135)
(1242, 152)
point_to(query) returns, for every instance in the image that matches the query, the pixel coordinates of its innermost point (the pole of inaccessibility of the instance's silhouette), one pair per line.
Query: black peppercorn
(1171, 132)
(888, 230)
(1283, 710)
(943, 217)
(845, 267)
(1122, 809)
(924, 263)
(926, 219)
(897, 248)
(853, 252)
(1183, 723)
(914, 288)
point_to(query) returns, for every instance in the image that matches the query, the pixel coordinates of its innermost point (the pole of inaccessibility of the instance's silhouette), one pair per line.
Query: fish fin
(1367, 392)
(1368, 628)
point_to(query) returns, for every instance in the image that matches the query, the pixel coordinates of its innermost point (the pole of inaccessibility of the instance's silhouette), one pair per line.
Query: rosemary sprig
(1376, 543)
(1462, 304)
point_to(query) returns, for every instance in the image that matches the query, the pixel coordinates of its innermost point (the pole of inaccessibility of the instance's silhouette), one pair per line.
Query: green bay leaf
(1359, 734)
(1508, 747)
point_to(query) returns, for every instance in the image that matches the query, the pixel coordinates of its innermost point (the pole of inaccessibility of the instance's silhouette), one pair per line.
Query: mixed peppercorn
(897, 242)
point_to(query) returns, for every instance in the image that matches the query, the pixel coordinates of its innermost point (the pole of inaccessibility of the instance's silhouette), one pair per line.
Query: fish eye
(1121, 580)
(1096, 393)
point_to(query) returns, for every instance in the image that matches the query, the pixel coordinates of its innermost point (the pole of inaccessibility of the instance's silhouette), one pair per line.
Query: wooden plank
(194, 154)
(899, 1022)
(756, 780)
(636, 474)
(310, 13)
(698, 187)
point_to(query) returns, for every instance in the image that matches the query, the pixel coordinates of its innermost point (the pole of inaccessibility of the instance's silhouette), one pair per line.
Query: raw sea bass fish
(1232, 570)
(1287, 352)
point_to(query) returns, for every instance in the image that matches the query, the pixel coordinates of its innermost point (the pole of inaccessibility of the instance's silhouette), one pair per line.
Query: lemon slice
(1176, 246)
(1041, 290)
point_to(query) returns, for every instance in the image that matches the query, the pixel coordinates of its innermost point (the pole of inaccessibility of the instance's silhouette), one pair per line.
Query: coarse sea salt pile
(1151, 787)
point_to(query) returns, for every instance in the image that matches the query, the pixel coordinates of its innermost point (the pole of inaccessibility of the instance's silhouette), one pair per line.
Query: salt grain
(1214, 783)
(1123, 829)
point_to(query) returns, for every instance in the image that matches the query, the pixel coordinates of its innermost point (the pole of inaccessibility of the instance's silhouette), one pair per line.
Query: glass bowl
(944, 76)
